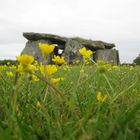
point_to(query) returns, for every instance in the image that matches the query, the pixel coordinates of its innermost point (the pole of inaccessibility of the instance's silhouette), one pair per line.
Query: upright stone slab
(108, 55)
(71, 52)
(32, 48)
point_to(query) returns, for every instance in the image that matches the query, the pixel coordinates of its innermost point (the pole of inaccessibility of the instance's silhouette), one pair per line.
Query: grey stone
(39, 36)
(71, 52)
(32, 48)
(108, 55)
(70, 47)
(94, 45)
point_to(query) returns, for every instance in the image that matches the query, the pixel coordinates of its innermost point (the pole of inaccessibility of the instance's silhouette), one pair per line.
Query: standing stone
(108, 55)
(71, 52)
(32, 48)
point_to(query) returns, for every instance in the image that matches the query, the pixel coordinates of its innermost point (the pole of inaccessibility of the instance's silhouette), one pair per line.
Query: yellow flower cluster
(100, 97)
(58, 59)
(66, 68)
(25, 59)
(85, 53)
(46, 48)
(25, 63)
(56, 80)
(77, 61)
(47, 69)
(34, 78)
(104, 66)
(9, 73)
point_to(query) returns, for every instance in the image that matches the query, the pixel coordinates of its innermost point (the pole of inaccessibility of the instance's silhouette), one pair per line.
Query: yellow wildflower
(48, 69)
(82, 70)
(85, 53)
(28, 68)
(101, 62)
(58, 59)
(25, 63)
(36, 63)
(66, 68)
(100, 97)
(34, 78)
(86, 61)
(46, 48)
(25, 59)
(77, 61)
(9, 73)
(42, 69)
(56, 80)
(20, 68)
(13, 67)
(51, 69)
(31, 68)
(39, 105)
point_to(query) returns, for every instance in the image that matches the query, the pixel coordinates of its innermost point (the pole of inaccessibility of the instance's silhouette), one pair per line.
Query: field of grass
(94, 102)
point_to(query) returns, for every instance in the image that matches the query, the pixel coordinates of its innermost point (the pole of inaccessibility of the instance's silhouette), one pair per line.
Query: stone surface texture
(108, 55)
(102, 50)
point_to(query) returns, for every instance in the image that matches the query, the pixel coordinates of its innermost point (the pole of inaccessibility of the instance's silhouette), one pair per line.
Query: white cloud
(114, 21)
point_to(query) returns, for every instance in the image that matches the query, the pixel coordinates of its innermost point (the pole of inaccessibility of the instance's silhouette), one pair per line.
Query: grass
(41, 114)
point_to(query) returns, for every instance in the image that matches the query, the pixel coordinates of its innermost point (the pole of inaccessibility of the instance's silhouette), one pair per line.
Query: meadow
(97, 101)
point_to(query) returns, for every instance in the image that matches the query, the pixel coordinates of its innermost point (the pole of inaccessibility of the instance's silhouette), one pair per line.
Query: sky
(113, 21)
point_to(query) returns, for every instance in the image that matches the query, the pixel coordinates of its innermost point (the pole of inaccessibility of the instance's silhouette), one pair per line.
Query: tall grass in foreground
(78, 115)
(84, 102)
